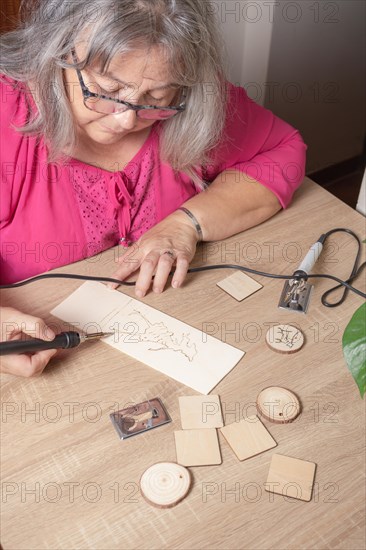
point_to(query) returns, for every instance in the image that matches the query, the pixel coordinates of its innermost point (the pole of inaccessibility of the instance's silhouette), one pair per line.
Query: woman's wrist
(194, 222)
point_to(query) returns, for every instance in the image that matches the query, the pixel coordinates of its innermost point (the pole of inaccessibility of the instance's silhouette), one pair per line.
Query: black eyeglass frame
(88, 94)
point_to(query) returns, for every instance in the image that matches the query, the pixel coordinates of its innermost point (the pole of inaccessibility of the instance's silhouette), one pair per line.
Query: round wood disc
(278, 405)
(285, 338)
(165, 484)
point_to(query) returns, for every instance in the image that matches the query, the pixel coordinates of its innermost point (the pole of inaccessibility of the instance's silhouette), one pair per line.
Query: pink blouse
(55, 214)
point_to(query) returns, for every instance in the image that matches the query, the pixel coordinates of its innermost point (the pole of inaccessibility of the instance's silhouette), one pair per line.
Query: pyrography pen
(64, 340)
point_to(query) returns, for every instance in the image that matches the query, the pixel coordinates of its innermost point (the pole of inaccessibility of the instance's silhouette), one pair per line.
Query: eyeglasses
(107, 105)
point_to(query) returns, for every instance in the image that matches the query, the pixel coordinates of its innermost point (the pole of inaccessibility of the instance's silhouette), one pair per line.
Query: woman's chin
(105, 137)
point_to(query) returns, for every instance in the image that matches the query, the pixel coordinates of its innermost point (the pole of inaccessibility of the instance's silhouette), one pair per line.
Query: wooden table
(69, 482)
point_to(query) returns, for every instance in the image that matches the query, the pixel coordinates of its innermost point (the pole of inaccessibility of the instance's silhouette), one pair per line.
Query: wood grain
(278, 404)
(248, 437)
(197, 447)
(66, 440)
(200, 411)
(291, 477)
(165, 484)
(239, 285)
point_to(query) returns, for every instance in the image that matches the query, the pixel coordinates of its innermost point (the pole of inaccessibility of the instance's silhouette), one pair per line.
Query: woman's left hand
(171, 242)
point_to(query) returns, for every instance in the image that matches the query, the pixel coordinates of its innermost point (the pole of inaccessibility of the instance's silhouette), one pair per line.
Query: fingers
(164, 267)
(181, 271)
(26, 365)
(160, 264)
(14, 322)
(35, 327)
(129, 263)
(40, 360)
(171, 242)
(147, 270)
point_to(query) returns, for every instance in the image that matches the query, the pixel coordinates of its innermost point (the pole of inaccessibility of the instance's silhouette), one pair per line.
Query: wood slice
(278, 405)
(165, 484)
(285, 338)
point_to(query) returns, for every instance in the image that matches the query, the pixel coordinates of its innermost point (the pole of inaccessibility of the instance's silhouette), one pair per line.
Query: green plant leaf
(354, 347)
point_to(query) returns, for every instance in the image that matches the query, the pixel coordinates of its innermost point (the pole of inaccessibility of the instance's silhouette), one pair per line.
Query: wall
(304, 60)
(247, 33)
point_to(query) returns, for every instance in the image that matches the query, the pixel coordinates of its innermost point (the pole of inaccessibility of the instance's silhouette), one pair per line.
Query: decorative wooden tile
(165, 484)
(200, 411)
(197, 447)
(291, 477)
(249, 437)
(239, 285)
(278, 404)
(285, 338)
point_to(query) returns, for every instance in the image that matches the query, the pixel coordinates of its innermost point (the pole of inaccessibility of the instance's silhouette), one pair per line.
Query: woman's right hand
(13, 324)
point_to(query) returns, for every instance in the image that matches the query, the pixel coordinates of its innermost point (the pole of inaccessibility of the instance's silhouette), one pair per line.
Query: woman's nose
(127, 119)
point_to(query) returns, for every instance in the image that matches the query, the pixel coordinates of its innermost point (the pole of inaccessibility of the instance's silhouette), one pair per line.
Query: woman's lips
(110, 130)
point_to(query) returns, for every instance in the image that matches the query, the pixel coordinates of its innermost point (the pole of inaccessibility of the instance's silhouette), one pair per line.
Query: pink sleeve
(261, 145)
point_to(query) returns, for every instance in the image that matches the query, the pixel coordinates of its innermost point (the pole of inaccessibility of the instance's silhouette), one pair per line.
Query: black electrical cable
(66, 276)
(356, 270)
(347, 287)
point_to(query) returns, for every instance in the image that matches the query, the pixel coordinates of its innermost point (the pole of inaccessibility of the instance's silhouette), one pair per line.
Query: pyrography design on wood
(285, 338)
(161, 341)
(160, 335)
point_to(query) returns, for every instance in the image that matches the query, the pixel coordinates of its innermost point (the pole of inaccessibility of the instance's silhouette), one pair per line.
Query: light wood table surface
(68, 482)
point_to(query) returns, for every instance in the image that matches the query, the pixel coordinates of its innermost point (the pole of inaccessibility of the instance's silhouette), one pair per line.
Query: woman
(119, 127)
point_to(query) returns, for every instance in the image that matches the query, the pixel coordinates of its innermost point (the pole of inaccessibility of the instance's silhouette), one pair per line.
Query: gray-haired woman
(118, 126)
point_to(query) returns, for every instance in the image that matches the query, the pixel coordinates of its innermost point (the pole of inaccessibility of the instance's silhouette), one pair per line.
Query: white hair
(37, 50)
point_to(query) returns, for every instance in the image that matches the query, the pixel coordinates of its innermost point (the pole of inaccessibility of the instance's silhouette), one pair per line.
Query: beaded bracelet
(195, 222)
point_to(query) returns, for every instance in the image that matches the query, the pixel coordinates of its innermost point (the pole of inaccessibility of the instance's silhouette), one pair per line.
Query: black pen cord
(356, 270)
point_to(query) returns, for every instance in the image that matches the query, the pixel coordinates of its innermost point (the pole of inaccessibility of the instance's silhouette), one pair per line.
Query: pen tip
(96, 335)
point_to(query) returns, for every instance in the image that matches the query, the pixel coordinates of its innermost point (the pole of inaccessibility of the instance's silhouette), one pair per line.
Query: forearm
(232, 203)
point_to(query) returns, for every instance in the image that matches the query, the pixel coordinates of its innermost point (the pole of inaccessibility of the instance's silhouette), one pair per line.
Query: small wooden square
(239, 285)
(197, 447)
(249, 437)
(200, 411)
(291, 477)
